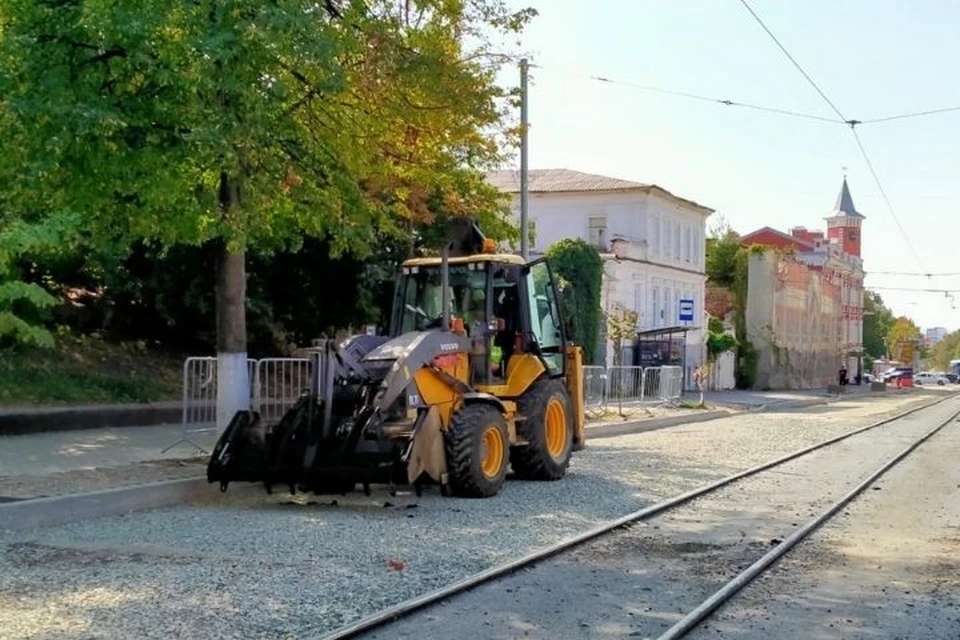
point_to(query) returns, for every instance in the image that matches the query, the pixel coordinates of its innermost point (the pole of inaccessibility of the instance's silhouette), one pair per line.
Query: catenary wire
(853, 128)
(793, 60)
(693, 96)
(915, 114)
(883, 193)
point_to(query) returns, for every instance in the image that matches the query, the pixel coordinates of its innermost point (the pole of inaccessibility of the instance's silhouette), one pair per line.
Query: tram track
(493, 574)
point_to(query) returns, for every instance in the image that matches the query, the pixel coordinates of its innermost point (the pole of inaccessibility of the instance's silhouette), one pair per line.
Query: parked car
(952, 378)
(930, 377)
(897, 372)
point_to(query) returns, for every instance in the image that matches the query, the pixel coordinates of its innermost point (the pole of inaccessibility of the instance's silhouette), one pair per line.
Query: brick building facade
(834, 266)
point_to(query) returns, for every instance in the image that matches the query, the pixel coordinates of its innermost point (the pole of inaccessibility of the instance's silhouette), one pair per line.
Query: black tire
(468, 443)
(534, 461)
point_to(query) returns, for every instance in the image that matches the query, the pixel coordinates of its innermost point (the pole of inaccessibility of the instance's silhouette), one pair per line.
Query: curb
(27, 421)
(43, 512)
(611, 430)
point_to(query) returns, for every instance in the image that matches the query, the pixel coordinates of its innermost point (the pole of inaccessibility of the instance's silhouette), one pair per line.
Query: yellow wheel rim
(555, 426)
(492, 452)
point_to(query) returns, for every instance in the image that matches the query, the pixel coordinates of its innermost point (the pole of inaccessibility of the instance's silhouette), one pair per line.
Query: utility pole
(524, 121)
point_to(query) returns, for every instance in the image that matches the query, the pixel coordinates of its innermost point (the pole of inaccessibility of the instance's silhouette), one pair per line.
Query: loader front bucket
(241, 451)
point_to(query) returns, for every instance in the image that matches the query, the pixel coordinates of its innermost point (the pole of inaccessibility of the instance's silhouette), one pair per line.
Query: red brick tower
(843, 227)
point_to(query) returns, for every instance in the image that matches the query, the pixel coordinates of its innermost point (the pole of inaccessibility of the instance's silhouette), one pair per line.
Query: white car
(929, 377)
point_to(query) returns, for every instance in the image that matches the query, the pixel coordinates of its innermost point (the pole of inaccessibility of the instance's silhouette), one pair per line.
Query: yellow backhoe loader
(476, 375)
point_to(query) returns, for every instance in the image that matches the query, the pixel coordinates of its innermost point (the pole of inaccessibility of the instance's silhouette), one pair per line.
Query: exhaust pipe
(445, 286)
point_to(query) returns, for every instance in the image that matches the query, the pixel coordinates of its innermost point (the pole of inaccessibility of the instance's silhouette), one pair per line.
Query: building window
(655, 305)
(638, 302)
(656, 235)
(532, 233)
(676, 242)
(689, 255)
(598, 231)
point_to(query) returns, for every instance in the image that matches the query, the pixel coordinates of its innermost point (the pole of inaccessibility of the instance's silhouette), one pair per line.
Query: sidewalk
(79, 460)
(67, 450)
(60, 451)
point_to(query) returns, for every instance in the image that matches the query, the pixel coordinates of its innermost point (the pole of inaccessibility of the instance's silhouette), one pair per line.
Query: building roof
(844, 205)
(569, 181)
(430, 261)
(800, 243)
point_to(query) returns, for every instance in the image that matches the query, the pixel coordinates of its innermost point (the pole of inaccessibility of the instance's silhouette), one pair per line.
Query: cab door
(541, 309)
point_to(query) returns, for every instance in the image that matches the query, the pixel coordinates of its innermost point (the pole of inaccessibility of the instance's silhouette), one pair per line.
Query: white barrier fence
(275, 385)
(605, 387)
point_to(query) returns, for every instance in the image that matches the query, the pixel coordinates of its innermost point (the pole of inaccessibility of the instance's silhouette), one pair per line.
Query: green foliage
(578, 266)
(24, 305)
(85, 369)
(253, 123)
(718, 340)
(746, 365)
(946, 350)
(621, 325)
(877, 321)
(746, 373)
(721, 261)
(902, 330)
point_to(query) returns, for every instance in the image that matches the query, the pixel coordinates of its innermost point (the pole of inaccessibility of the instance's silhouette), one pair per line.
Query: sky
(872, 59)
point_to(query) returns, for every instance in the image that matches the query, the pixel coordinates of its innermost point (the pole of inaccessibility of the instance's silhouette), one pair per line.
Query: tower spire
(844, 205)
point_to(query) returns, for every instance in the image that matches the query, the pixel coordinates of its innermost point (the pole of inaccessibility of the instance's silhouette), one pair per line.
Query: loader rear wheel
(548, 430)
(476, 446)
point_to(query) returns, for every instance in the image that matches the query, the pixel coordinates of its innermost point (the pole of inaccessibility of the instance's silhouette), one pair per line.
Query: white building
(652, 242)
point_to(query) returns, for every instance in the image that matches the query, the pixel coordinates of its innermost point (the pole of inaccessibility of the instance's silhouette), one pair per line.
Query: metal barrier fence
(605, 387)
(275, 385)
(279, 383)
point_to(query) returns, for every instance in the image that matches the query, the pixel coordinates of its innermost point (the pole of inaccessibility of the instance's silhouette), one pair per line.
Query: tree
(622, 325)
(721, 260)
(903, 330)
(946, 350)
(236, 124)
(877, 321)
(579, 270)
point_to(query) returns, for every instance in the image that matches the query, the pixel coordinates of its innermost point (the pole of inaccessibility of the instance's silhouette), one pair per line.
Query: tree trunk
(233, 379)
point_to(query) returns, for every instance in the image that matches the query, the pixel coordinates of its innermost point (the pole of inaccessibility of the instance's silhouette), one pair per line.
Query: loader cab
(507, 306)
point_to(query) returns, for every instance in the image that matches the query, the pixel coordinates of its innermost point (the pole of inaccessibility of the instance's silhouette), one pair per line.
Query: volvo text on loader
(476, 376)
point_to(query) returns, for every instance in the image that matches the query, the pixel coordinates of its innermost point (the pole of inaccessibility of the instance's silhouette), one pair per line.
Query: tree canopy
(878, 319)
(248, 124)
(902, 330)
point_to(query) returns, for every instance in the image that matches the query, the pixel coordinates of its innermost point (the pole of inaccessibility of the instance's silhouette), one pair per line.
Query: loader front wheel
(548, 430)
(477, 447)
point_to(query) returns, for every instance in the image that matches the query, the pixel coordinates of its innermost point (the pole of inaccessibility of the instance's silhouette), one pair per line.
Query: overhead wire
(853, 128)
(793, 60)
(693, 96)
(883, 193)
(937, 274)
(915, 114)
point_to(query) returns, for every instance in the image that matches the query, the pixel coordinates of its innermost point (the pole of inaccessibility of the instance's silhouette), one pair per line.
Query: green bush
(579, 270)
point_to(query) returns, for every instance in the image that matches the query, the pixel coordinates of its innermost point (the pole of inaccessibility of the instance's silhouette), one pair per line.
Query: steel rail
(407, 607)
(725, 593)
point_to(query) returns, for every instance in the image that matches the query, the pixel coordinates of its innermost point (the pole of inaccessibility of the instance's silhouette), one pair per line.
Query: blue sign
(686, 311)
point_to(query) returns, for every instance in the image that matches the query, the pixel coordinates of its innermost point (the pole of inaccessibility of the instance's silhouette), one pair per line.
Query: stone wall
(794, 321)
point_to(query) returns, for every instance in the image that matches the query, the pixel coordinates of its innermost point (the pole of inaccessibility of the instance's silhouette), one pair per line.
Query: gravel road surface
(888, 567)
(638, 582)
(256, 566)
